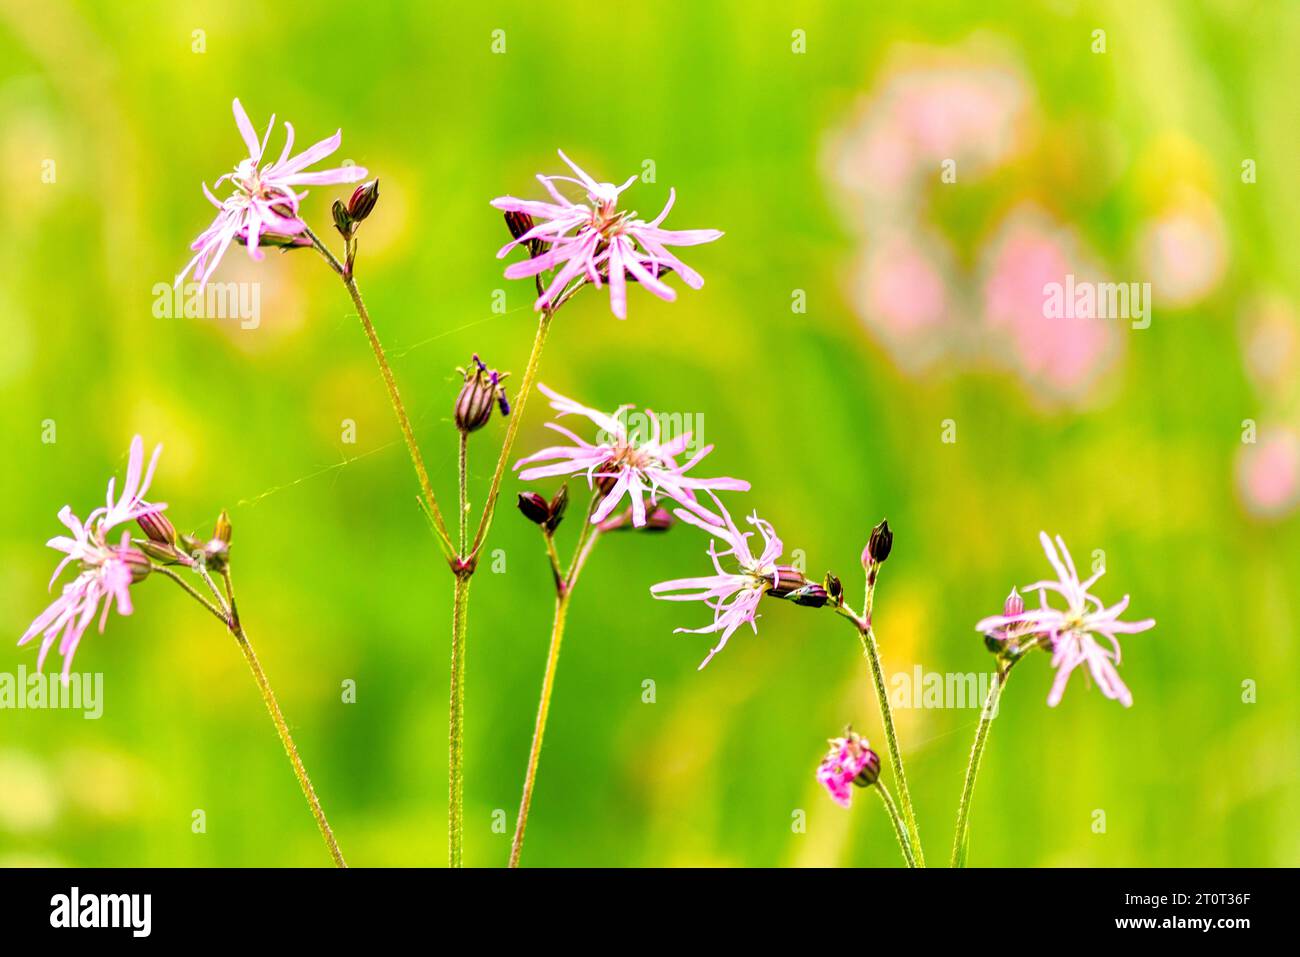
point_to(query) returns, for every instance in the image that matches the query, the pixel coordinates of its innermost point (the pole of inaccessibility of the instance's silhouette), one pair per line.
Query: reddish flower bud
(482, 390)
(534, 507)
(363, 201)
(157, 528)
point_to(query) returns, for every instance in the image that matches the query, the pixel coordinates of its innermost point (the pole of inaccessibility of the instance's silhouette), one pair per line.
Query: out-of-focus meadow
(859, 311)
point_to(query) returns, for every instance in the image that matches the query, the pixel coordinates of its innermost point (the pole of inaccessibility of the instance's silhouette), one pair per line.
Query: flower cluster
(621, 464)
(263, 209)
(595, 241)
(106, 570)
(1070, 634)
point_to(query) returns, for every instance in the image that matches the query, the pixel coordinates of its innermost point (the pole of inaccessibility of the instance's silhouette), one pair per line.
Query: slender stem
(512, 427)
(394, 397)
(229, 616)
(872, 652)
(463, 459)
(900, 829)
(564, 586)
(456, 722)
(190, 590)
(539, 729)
(991, 702)
(272, 706)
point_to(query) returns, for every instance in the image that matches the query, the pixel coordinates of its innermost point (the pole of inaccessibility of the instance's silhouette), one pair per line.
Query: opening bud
(482, 390)
(1014, 605)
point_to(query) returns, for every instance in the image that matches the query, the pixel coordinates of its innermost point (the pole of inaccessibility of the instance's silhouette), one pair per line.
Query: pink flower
(733, 595)
(850, 761)
(265, 200)
(1069, 633)
(625, 464)
(107, 571)
(599, 241)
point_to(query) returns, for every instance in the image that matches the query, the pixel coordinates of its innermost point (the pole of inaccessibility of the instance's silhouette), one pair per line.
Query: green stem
(900, 829)
(564, 587)
(872, 652)
(464, 490)
(394, 397)
(229, 617)
(991, 702)
(539, 729)
(512, 428)
(456, 722)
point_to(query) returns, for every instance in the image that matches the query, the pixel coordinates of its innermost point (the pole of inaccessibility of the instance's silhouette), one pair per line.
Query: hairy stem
(512, 428)
(564, 586)
(872, 652)
(456, 722)
(900, 829)
(230, 618)
(539, 728)
(394, 397)
(990, 710)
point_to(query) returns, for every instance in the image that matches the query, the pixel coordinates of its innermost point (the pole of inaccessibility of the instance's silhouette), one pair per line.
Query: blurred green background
(782, 127)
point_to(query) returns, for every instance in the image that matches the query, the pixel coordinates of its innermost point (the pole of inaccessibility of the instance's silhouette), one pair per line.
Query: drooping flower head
(1070, 633)
(849, 762)
(622, 463)
(106, 570)
(265, 200)
(596, 241)
(733, 593)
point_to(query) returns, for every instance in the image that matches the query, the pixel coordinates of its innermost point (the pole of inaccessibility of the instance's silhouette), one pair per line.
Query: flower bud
(870, 772)
(1014, 605)
(810, 595)
(658, 519)
(519, 224)
(157, 528)
(221, 532)
(137, 561)
(342, 221)
(534, 507)
(880, 543)
(363, 201)
(556, 508)
(834, 588)
(482, 390)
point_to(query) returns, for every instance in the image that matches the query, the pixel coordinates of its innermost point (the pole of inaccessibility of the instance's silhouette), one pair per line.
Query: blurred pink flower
(599, 242)
(620, 463)
(265, 200)
(1268, 473)
(107, 571)
(931, 107)
(850, 761)
(1184, 251)
(1062, 356)
(1069, 633)
(732, 595)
